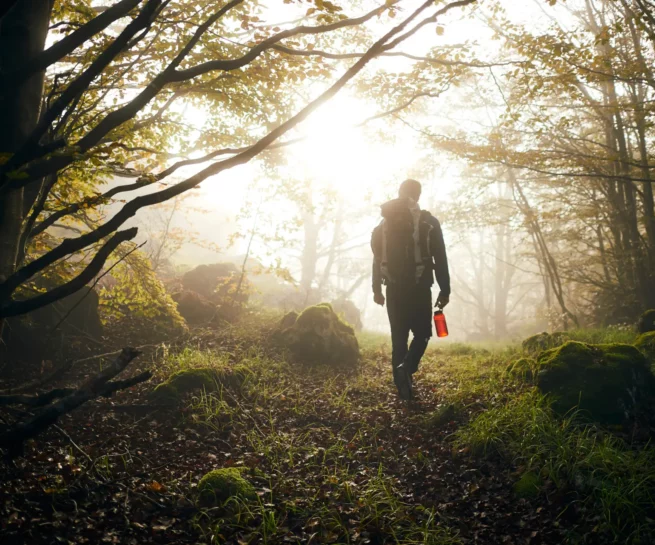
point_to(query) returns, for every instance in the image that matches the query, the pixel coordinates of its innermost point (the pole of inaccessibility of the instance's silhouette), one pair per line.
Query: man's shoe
(403, 381)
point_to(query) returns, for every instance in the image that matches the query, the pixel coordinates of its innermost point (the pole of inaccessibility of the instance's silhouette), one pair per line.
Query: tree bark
(23, 31)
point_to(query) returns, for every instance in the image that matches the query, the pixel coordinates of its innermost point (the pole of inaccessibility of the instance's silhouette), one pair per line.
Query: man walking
(408, 248)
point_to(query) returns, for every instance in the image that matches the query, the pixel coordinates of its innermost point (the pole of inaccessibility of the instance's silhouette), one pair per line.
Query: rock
(216, 282)
(646, 321)
(523, 368)
(528, 485)
(318, 335)
(610, 382)
(194, 307)
(646, 344)
(349, 313)
(288, 320)
(543, 341)
(220, 485)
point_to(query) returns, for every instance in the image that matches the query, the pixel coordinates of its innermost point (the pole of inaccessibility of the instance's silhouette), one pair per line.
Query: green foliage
(600, 469)
(135, 293)
(610, 382)
(220, 485)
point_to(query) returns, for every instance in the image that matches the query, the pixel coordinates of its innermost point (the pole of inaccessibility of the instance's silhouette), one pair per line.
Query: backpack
(405, 243)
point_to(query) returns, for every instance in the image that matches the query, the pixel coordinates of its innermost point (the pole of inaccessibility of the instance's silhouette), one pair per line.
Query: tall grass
(596, 467)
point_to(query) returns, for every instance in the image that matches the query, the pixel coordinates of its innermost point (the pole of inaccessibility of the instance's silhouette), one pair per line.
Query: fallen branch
(99, 385)
(38, 400)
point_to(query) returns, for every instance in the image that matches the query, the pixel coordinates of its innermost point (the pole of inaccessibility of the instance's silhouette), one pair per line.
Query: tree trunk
(23, 32)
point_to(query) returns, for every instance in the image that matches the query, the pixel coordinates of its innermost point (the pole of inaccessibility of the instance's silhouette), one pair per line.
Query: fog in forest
(511, 179)
(376, 272)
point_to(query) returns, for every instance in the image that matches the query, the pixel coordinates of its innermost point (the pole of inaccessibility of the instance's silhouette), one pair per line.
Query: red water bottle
(440, 323)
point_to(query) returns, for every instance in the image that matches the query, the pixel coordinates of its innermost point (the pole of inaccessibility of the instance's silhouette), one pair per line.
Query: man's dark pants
(409, 309)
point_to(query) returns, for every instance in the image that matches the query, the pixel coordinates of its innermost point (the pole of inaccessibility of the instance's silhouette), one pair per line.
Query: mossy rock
(190, 380)
(647, 321)
(443, 415)
(646, 344)
(288, 320)
(318, 335)
(528, 486)
(543, 341)
(610, 382)
(523, 368)
(220, 485)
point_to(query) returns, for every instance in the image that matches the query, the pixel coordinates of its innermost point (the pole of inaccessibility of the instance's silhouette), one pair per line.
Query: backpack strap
(384, 268)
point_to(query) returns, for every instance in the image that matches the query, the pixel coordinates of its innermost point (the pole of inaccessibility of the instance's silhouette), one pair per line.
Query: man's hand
(379, 299)
(442, 300)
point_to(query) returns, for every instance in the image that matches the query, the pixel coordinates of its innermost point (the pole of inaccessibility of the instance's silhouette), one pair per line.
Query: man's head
(410, 189)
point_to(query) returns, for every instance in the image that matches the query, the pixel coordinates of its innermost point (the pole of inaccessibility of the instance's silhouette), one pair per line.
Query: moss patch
(318, 335)
(647, 321)
(543, 341)
(523, 368)
(443, 416)
(190, 380)
(220, 485)
(611, 382)
(528, 485)
(646, 344)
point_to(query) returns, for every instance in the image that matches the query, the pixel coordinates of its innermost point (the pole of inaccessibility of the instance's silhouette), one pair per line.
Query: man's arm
(441, 272)
(376, 246)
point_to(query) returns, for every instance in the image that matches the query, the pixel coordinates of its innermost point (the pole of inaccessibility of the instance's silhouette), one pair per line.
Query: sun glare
(346, 156)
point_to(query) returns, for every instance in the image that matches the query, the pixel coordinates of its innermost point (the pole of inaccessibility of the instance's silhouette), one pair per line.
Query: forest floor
(335, 457)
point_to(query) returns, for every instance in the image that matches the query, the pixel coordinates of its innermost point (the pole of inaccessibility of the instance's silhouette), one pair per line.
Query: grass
(591, 465)
(319, 447)
(623, 335)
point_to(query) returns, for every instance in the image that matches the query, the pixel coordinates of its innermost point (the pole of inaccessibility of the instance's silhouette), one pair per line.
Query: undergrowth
(581, 460)
(326, 452)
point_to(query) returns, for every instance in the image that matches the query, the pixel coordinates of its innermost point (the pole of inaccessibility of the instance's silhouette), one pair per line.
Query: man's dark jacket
(438, 259)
